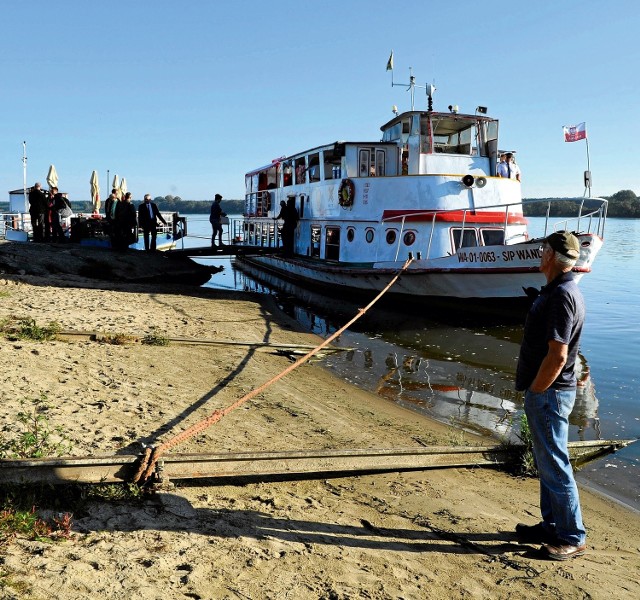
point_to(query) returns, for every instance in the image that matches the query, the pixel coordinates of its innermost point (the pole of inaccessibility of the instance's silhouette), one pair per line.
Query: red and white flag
(573, 133)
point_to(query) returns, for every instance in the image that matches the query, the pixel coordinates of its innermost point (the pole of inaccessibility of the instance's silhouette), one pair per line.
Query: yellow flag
(390, 62)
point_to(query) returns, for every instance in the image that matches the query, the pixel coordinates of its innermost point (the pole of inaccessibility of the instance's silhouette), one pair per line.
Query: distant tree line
(186, 207)
(623, 204)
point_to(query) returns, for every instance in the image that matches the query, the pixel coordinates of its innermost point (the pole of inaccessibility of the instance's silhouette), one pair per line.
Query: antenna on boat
(411, 86)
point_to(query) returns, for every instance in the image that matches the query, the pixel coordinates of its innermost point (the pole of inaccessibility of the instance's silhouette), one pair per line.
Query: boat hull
(487, 273)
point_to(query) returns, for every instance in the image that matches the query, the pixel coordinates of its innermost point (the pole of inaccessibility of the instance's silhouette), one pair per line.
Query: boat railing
(14, 221)
(595, 218)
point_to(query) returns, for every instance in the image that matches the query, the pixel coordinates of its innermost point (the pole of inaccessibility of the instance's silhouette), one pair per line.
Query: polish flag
(573, 133)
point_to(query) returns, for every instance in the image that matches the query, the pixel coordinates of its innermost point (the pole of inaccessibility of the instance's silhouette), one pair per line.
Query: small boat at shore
(429, 189)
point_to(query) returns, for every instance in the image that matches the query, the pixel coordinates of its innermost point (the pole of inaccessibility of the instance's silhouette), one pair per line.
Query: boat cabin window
(300, 170)
(369, 235)
(332, 164)
(391, 236)
(314, 167)
(464, 239)
(287, 174)
(351, 234)
(263, 203)
(269, 179)
(492, 237)
(409, 238)
(332, 243)
(315, 241)
(449, 135)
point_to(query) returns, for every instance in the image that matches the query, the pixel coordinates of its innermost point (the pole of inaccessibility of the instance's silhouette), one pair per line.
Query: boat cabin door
(372, 162)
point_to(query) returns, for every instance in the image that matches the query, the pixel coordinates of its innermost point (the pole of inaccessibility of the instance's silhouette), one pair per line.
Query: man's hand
(551, 367)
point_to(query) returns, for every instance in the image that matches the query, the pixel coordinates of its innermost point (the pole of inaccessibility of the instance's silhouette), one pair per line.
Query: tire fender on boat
(346, 193)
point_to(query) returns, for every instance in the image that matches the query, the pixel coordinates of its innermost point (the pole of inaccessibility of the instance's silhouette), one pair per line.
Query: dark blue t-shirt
(556, 314)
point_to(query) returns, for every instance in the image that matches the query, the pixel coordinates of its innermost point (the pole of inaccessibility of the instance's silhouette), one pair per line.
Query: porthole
(391, 236)
(351, 233)
(409, 238)
(369, 235)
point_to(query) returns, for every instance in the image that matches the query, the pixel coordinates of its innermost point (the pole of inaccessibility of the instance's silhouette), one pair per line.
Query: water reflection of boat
(449, 371)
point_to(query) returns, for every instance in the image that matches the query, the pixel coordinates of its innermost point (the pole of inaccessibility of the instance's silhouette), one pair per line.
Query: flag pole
(24, 179)
(587, 175)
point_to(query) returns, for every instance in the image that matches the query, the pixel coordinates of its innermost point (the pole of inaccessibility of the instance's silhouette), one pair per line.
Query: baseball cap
(565, 243)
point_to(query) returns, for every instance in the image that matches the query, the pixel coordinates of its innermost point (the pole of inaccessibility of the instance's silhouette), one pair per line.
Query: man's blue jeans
(548, 417)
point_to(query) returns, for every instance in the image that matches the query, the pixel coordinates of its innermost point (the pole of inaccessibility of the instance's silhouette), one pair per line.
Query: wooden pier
(222, 251)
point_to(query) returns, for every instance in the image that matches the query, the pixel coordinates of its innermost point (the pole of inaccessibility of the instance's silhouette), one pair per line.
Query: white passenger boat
(428, 189)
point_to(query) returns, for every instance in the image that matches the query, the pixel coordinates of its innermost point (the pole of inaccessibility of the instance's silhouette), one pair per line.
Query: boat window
(314, 167)
(490, 136)
(393, 134)
(351, 234)
(264, 203)
(287, 174)
(380, 162)
(332, 163)
(469, 237)
(364, 160)
(492, 237)
(332, 243)
(301, 170)
(425, 136)
(391, 236)
(369, 235)
(315, 241)
(409, 238)
(272, 178)
(454, 135)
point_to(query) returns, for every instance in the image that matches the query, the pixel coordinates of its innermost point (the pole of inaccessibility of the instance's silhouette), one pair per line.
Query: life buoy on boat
(346, 193)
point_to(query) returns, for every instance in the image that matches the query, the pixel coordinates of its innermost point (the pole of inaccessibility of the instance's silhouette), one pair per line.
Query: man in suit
(38, 211)
(148, 215)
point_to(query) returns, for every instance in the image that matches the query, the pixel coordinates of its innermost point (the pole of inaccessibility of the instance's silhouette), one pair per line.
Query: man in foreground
(546, 374)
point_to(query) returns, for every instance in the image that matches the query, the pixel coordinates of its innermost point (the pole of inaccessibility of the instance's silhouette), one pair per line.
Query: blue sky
(183, 98)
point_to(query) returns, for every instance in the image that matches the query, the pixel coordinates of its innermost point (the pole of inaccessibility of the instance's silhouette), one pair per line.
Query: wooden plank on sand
(120, 469)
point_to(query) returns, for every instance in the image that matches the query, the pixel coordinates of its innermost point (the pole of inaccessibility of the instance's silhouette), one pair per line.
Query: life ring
(346, 193)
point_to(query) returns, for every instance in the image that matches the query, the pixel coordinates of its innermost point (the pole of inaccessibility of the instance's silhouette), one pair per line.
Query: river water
(461, 371)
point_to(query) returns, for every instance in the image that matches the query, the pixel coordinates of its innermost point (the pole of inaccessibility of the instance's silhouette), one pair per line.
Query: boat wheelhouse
(429, 189)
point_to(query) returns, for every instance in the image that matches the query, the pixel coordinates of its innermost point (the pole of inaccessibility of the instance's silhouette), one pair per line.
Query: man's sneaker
(563, 551)
(534, 534)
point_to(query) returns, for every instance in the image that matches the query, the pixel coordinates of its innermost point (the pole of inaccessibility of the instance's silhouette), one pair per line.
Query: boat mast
(411, 86)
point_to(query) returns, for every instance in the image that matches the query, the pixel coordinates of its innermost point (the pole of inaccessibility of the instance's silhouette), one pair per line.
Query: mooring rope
(149, 460)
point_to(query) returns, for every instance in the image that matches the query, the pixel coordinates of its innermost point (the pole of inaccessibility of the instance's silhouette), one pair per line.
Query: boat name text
(490, 256)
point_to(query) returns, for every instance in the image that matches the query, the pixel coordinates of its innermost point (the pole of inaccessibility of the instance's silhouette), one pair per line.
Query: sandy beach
(444, 533)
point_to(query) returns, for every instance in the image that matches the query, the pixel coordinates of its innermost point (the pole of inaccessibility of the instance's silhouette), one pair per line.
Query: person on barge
(215, 218)
(38, 211)
(148, 215)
